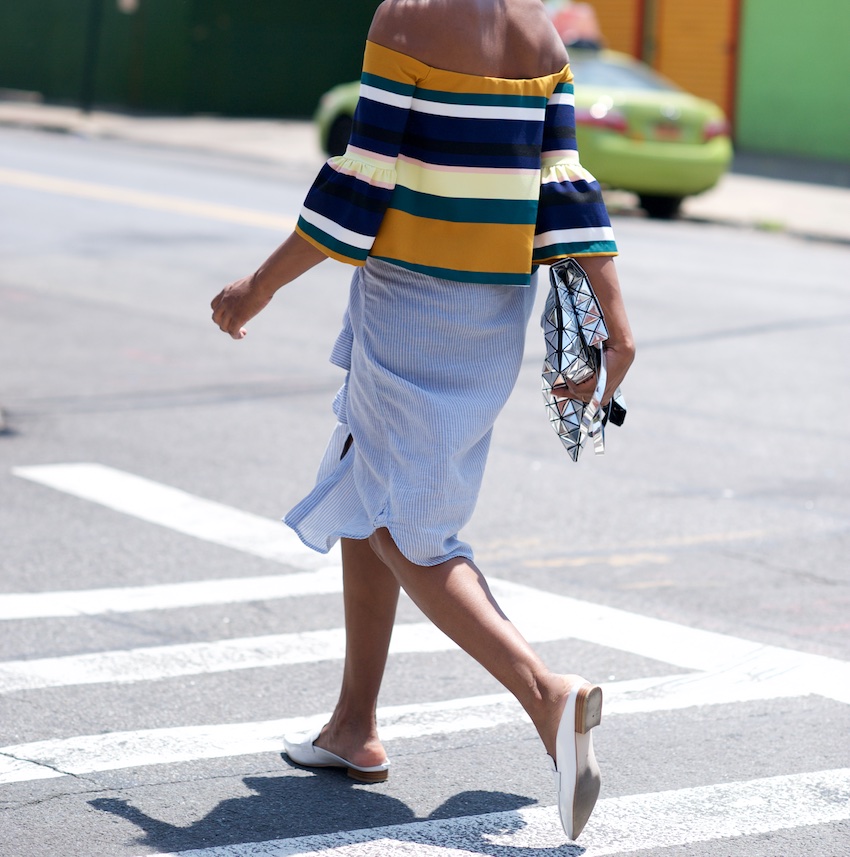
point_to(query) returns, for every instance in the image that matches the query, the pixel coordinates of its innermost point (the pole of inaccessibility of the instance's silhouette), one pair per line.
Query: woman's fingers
(582, 392)
(235, 305)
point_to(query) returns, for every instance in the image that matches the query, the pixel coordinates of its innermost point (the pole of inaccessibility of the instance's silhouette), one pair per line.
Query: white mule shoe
(576, 772)
(301, 749)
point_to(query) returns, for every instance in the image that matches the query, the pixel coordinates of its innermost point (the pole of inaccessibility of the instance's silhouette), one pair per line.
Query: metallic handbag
(574, 330)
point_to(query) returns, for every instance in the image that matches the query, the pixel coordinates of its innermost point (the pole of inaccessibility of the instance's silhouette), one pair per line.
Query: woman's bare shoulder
(488, 37)
(397, 21)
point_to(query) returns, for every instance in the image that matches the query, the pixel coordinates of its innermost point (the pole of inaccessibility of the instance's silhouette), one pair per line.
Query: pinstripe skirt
(430, 363)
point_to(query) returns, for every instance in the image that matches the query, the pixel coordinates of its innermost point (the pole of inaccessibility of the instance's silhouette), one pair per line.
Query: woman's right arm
(235, 305)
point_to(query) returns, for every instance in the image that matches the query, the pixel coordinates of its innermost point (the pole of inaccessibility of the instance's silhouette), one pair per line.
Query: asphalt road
(173, 630)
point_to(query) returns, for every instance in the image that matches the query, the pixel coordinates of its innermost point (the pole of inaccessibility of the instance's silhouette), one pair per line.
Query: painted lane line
(177, 510)
(671, 643)
(542, 616)
(169, 596)
(144, 199)
(88, 754)
(155, 663)
(635, 823)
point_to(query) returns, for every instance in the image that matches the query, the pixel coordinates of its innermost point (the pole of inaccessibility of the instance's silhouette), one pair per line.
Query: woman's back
(494, 38)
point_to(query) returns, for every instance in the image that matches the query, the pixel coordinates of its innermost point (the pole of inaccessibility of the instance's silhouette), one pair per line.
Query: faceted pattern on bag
(572, 327)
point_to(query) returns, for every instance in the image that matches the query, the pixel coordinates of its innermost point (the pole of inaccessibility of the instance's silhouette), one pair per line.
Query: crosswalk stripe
(542, 617)
(622, 825)
(168, 596)
(170, 507)
(88, 754)
(727, 670)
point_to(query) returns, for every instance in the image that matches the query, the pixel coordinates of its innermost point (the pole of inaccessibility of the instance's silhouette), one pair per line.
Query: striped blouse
(463, 177)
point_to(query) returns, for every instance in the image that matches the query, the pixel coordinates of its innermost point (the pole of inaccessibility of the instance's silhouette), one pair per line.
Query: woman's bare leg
(370, 595)
(456, 598)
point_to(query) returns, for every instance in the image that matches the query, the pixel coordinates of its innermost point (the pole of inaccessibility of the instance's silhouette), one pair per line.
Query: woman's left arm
(238, 303)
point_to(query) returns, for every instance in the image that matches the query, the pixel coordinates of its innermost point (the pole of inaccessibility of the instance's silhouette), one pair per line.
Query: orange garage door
(621, 22)
(696, 46)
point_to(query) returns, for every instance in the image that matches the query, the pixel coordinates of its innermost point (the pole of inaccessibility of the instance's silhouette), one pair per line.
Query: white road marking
(634, 823)
(88, 754)
(170, 507)
(541, 616)
(168, 596)
(161, 662)
(144, 199)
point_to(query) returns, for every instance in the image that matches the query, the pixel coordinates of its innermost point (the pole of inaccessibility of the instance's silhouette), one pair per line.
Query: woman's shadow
(284, 807)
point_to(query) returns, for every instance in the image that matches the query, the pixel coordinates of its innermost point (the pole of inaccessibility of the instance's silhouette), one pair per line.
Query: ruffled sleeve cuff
(343, 210)
(572, 218)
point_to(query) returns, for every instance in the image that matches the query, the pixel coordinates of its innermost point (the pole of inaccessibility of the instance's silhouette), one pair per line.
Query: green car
(636, 131)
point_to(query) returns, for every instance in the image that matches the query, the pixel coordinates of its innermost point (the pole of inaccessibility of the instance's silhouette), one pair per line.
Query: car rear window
(597, 71)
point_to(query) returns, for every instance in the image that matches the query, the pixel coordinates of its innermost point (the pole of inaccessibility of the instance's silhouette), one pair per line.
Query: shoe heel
(588, 708)
(368, 776)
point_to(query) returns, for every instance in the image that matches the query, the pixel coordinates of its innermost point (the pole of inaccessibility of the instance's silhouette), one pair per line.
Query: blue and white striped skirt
(430, 365)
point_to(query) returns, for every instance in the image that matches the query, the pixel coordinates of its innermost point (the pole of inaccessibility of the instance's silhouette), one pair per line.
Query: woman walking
(461, 177)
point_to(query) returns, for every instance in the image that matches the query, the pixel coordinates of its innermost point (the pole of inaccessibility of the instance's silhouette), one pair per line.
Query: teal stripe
(574, 248)
(482, 99)
(565, 87)
(387, 84)
(332, 243)
(453, 210)
(463, 276)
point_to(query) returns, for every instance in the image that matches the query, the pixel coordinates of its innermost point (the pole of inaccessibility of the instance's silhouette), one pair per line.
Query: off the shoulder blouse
(463, 177)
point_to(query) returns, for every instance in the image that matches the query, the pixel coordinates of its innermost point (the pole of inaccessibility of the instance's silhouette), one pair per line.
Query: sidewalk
(807, 209)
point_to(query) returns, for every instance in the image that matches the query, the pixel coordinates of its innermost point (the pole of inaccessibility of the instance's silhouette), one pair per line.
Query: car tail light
(715, 128)
(601, 116)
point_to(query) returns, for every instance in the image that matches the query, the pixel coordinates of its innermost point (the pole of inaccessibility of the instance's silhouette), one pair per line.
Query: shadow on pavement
(283, 807)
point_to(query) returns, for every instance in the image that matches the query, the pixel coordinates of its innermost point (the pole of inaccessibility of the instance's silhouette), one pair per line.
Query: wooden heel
(368, 776)
(588, 708)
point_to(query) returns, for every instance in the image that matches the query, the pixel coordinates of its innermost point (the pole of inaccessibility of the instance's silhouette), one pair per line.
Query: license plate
(667, 131)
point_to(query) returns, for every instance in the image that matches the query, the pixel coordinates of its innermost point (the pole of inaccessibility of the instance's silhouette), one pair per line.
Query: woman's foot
(358, 746)
(573, 762)
(304, 749)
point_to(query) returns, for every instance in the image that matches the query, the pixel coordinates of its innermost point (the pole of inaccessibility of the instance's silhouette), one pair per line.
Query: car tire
(660, 207)
(339, 134)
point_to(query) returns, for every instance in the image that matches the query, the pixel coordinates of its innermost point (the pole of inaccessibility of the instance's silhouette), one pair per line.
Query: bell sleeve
(344, 208)
(571, 218)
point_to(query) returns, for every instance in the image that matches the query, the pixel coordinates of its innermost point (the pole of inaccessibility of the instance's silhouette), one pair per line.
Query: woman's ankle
(551, 699)
(354, 740)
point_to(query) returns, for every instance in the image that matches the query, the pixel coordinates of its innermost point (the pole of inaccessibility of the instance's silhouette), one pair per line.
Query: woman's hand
(235, 305)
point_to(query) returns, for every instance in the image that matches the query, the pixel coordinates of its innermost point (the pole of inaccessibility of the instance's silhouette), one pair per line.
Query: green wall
(794, 78)
(236, 57)
(142, 58)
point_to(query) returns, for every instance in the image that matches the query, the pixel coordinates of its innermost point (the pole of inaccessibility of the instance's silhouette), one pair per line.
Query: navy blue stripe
(480, 131)
(560, 129)
(378, 128)
(348, 201)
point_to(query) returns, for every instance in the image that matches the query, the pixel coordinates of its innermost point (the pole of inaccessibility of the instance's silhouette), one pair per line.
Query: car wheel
(660, 207)
(339, 134)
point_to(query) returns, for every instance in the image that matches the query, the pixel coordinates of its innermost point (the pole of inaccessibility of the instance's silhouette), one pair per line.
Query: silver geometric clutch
(574, 330)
